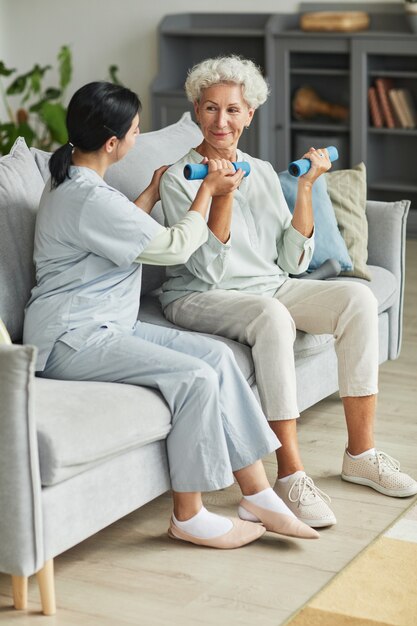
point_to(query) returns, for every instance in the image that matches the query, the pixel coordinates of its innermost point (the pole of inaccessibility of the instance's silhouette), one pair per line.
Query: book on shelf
(374, 108)
(403, 107)
(383, 85)
(398, 108)
(408, 106)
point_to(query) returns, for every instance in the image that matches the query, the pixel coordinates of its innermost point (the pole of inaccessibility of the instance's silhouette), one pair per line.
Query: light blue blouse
(87, 238)
(263, 247)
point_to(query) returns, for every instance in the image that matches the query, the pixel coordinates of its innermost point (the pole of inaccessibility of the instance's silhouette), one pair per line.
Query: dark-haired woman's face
(129, 139)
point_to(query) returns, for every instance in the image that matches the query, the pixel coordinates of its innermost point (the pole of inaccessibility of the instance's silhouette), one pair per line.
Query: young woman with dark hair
(97, 112)
(90, 241)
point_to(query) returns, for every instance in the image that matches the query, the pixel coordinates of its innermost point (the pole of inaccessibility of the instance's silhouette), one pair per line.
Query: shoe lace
(385, 461)
(304, 488)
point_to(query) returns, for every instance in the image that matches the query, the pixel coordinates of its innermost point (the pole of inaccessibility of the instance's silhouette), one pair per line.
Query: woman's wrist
(306, 185)
(147, 200)
(202, 200)
(206, 187)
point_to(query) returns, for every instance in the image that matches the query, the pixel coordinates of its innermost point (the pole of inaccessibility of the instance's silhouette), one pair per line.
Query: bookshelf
(322, 63)
(388, 152)
(340, 67)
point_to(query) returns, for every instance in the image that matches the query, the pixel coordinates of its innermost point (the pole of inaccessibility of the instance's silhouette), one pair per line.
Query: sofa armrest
(21, 545)
(386, 248)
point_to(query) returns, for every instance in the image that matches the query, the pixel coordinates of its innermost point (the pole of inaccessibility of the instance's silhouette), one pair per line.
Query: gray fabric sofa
(76, 456)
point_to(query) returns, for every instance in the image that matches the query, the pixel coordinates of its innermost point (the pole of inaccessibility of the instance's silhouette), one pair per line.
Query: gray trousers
(217, 424)
(268, 323)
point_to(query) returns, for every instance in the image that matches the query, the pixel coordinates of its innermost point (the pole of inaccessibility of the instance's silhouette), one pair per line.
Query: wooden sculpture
(307, 104)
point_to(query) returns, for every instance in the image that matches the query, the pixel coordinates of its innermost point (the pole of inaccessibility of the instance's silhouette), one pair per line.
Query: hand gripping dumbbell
(194, 171)
(300, 167)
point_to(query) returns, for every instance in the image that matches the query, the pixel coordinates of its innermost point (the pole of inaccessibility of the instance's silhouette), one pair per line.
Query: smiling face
(222, 114)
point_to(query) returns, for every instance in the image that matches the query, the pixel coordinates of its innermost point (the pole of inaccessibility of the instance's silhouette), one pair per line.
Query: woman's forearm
(303, 217)
(220, 217)
(201, 202)
(147, 200)
(175, 245)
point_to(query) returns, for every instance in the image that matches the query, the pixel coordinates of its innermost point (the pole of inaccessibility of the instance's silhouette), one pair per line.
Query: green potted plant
(40, 114)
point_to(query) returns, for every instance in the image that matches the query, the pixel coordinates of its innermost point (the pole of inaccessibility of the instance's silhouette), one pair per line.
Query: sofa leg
(20, 592)
(46, 583)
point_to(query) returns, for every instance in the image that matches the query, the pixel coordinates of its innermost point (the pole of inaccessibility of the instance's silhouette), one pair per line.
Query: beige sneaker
(379, 471)
(306, 500)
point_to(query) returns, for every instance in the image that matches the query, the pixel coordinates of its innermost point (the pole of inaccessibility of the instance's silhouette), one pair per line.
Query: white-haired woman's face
(223, 114)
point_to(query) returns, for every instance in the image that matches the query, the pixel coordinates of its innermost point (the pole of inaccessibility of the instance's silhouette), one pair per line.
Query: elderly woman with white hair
(238, 285)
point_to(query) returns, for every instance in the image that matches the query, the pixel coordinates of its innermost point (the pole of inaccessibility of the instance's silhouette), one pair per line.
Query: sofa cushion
(347, 191)
(329, 243)
(21, 186)
(383, 285)
(81, 424)
(42, 161)
(151, 150)
(4, 335)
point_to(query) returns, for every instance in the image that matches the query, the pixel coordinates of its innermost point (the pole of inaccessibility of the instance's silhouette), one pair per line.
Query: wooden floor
(131, 573)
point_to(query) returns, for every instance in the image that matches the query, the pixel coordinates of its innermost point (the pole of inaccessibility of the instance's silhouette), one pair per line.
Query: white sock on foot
(205, 525)
(358, 456)
(285, 479)
(266, 499)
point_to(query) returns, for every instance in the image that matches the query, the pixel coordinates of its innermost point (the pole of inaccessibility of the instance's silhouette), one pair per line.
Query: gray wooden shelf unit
(339, 66)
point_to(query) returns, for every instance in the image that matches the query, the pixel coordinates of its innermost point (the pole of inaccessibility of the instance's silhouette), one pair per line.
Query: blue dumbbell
(300, 167)
(194, 171)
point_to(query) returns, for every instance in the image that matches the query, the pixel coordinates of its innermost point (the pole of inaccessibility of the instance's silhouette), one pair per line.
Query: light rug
(378, 588)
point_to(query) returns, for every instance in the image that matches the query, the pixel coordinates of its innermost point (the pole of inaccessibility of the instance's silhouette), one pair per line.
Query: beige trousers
(345, 309)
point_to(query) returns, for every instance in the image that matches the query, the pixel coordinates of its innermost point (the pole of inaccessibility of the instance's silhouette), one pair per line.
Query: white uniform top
(88, 241)
(263, 247)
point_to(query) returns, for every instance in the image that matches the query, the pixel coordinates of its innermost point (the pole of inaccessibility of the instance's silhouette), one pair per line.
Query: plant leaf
(113, 70)
(36, 106)
(10, 132)
(52, 93)
(8, 135)
(53, 116)
(35, 77)
(65, 66)
(18, 85)
(6, 127)
(4, 71)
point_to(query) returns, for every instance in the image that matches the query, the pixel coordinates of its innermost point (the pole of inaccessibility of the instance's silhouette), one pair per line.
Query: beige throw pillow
(347, 191)
(4, 335)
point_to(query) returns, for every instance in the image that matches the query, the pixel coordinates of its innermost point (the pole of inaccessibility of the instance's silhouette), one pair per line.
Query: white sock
(205, 525)
(266, 499)
(358, 456)
(285, 479)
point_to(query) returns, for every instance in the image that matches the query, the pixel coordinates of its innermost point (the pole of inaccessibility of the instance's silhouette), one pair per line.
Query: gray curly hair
(230, 69)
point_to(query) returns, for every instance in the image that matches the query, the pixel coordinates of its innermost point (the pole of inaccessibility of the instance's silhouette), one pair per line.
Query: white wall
(101, 33)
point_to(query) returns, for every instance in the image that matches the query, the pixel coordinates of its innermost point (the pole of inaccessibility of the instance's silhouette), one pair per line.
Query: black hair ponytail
(59, 164)
(96, 112)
